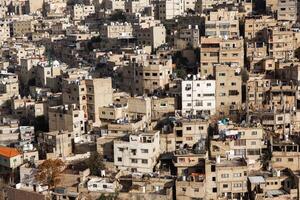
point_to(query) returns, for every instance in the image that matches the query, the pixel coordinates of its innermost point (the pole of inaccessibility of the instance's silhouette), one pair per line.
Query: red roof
(8, 152)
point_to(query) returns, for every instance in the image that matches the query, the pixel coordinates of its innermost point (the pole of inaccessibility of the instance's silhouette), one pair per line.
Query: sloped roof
(8, 152)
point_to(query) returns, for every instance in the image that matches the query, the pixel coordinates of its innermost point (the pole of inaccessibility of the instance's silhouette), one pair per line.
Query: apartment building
(257, 86)
(256, 54)
(88, 94)
(256, 27)
(56, 144)
(228, 89)
(162, 107)
(285, 153)
(146, 73)
(189, 132)
(4, 31)
(116, 30)
(273, 184)
(9, 84)
(281, 43)
(198, 96)
(67, 118)
(81, 11)
(287, 10)
(187, 38)
(114, 5)
(222, 22)
(225, 178)
(135, 6)
(153, 36)
(138, 152)
(21, 28)
(214, 50)
(169, 9)
(239, 142)
(46, 74)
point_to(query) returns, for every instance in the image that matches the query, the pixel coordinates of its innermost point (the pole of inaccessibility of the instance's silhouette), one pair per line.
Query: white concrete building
(97, 184)
(198, 96)
(138, 152)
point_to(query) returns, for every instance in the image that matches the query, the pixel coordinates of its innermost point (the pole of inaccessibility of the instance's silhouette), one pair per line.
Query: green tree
(95, 163)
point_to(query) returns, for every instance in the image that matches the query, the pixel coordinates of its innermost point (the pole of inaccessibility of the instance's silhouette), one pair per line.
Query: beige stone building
(228, 90)
(146, 73)
(239, 142)
(9, 84)
(81, 11)
(88, 94)
(287, 10)
(137, 152)
(21, 28)
(153, 36)
(187, 38)
(222, 22)
(216, 50)
(56, 144)
(281, 43)
(225, 178)
(4, 31)
(116, 30)
(67, 118)
(255, 27)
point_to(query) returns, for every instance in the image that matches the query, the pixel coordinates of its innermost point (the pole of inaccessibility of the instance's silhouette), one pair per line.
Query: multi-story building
(239, 142)
(287, 10)
(169, 9)
(81, 11)
(189, 37)
(4, 31)
(67, 118)
(189, 132)
(88, 94)
(198, 96)
(138, 152)
(21, 28)
(9, 84)
(281, 43)
(256, 27)
(222, 22)
(146, 73)
(153, 36)
(228, 89)
(216, 50)
(56, 144)
(116, 30)
(114, 4)
(226, 178)
(135, 6)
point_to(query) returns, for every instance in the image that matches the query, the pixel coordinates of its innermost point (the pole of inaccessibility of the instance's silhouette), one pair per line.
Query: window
(144, 150)
(224, 175)
(214, 190)
(119, 159)
(133, 160)
(183, 189)
(144, 161)
(254, 133)
(237, 174)
(222, 74)
(201, 127)
(188, 128)
(253, 142)
(196, 190)
(189, 138)
(291, 159)
(278, 159)
(225, 185)
(237, 185)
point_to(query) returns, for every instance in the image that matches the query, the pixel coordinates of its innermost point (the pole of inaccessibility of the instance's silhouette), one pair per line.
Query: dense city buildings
(139, 99)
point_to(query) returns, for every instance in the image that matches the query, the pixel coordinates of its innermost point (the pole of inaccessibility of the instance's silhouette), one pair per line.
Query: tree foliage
(95, 163)
(49, 172)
